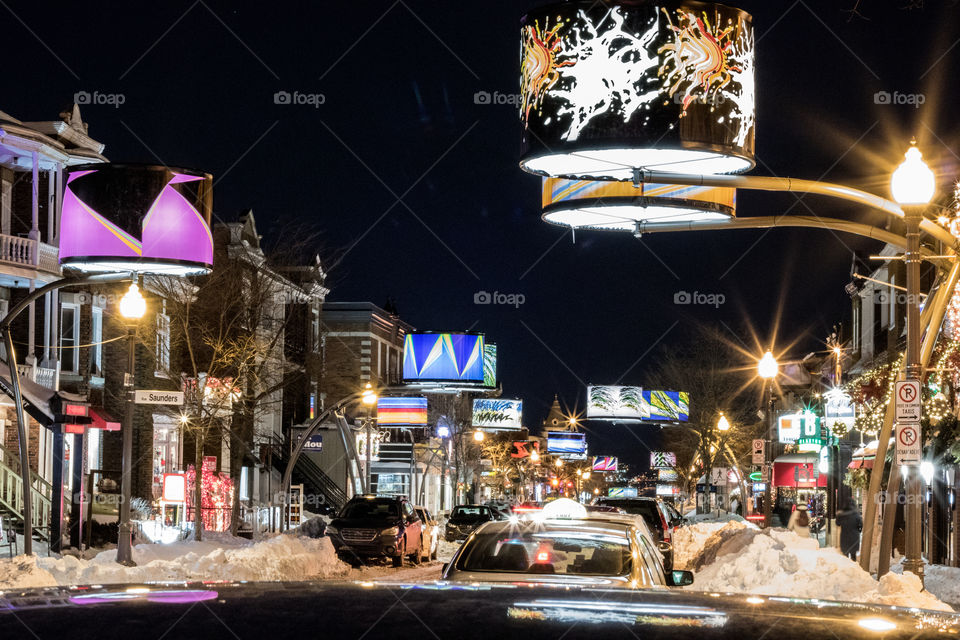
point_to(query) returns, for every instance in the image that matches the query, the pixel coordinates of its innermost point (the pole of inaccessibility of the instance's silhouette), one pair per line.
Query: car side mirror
(679, 578)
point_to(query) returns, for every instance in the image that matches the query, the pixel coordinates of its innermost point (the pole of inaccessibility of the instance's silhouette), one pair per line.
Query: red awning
(103, 420)
(798, 470)
(861, 463)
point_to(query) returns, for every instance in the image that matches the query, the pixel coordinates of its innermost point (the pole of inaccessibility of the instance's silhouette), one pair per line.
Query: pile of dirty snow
(284, 557)
(940, 580)
(696, 545)
(778, 562)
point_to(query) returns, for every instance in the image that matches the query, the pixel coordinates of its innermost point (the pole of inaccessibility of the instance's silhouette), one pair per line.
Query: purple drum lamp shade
(608, 87)
(139, 218)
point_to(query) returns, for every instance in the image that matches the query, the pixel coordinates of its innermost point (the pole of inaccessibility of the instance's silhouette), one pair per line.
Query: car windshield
(371, 509)
(466, 513)
(549, 550)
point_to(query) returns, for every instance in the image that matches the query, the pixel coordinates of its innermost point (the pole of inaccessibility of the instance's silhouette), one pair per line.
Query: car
(501, 510)
(654, 512)
(464, 519)
(577, 548)
(377, 526)
(221, 609)
(430, 534)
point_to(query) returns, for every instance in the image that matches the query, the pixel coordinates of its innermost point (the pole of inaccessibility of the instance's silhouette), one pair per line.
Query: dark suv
(377, 526)
(660, 521)
(465, 518)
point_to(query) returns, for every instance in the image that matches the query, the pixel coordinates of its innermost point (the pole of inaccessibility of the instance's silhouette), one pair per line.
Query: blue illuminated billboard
(565, 443)
(443, 358)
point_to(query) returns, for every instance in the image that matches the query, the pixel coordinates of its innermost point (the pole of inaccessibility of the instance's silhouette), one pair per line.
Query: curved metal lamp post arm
(794, 185)
(314, 426)
(18, 394)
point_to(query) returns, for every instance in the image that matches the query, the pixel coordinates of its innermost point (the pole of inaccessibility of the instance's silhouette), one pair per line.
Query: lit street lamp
(368, 397)
(132, 308)
(913, 185)
(767, 369)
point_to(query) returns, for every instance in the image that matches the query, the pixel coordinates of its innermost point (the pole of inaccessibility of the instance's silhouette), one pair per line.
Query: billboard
(795, 426)
(663, 459)
(443, 357)
(489, 365)
(622, 492)
(407, 410)
(667, 489)
(566, 443)
(635, 403)
(524, 448)
(604, 463)
(667, 475)
(497, 413)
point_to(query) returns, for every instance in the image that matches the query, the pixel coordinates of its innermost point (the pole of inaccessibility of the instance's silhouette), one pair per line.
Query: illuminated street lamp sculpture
(767, 369)
(117, 220)
(132, 308)
(913, 185)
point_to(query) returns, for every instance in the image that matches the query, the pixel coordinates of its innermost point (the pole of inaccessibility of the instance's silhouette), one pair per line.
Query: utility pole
(914, 371)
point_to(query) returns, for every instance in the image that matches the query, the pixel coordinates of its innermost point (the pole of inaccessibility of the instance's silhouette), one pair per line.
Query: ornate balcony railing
(24, 252)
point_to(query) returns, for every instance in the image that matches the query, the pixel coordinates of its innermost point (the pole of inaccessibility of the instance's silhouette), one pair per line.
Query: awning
(798, 470)
(36, 398)
(103, 420)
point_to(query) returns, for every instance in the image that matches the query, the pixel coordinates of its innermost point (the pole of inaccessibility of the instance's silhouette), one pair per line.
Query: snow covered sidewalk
(284, 557)
(737, 558)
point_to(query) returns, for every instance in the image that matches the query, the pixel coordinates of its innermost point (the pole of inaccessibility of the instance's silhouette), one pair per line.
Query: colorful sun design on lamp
(698, 60)
(539, 68)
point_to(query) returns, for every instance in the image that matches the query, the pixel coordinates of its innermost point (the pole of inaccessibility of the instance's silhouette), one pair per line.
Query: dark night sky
(199, 80)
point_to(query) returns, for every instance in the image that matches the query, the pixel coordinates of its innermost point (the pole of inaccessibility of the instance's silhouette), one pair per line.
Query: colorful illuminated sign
(604, 464)
(525, 448)
(497, 413)
(443, 358)
(606, 87)
(667, 475)
(663, 460)
(562, 442)
(174, 487)
(402, 411)
(635, 403)
(141, 218)
(622, 492)
(802, 429)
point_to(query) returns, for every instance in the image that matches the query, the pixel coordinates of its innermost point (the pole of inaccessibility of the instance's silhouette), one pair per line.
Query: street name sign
(158, 397)
(906, 395)
(908, 443)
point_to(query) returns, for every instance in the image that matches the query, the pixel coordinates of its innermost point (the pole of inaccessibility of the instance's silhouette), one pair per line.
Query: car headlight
(392, 531)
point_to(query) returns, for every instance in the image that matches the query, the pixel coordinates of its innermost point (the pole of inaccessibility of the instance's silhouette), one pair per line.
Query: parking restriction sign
(906, 395)
(759, 447)
(908, 443)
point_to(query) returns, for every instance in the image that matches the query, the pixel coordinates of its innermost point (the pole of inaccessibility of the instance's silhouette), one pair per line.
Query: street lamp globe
(132, 304)
(478, 435)
(768, 368)
(559, 462)
(723, 424)
(586, 475)
(534, 456)
(368, 396)
(913, 182)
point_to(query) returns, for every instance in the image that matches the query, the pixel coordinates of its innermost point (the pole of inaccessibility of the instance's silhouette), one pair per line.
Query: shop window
(69, 338)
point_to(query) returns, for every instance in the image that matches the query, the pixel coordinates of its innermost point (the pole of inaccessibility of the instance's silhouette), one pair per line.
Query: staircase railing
(308, 471)
(11, 494)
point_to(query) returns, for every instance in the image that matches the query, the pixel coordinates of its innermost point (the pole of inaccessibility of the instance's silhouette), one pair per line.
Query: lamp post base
(125, 546)
(915, 567)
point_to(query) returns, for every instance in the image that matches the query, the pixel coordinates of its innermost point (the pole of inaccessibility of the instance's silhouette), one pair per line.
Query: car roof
(612, 526)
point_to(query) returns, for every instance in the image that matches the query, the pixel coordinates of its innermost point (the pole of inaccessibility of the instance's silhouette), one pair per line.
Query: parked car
(377, 526)
(465, 518)
(601, 549)
(501, 510)
(659, 520)
(430, 534)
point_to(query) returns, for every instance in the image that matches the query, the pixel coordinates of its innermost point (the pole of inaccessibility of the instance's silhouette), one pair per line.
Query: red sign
(524, 448)
(798, 474)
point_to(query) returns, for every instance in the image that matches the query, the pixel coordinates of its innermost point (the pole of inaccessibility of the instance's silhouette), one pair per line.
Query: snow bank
(940, 580)
(697, 544)
(778, 562)
(283, 557)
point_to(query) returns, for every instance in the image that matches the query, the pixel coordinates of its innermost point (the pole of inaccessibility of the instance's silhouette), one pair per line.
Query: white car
(429, 534)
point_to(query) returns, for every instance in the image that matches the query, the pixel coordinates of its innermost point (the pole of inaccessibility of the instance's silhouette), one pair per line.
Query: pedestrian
(850, 523)
(800, 522)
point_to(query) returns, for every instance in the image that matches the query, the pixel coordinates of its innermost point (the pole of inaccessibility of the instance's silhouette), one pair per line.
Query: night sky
(415, 190)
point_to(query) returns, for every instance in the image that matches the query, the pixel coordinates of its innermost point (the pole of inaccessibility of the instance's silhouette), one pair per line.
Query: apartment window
(69, 338)
(96, 338)
(315, 329)
(162, 353)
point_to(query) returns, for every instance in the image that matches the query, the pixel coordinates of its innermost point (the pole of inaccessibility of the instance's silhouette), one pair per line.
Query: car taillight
(666, 528)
